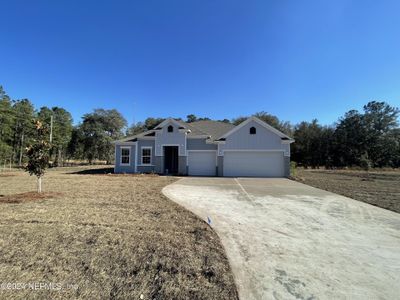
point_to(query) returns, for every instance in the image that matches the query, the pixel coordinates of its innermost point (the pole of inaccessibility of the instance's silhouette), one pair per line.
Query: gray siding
(182, 165)
(220, 166)
(146, 169)
(264, 139)
(159, 164)
(124, 169)
(200, 144)
(170, 138)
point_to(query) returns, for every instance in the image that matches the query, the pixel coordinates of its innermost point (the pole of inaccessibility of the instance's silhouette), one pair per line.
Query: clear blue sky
(296, 59)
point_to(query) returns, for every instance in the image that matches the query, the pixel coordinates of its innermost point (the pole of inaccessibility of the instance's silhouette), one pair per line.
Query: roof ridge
(190, 125)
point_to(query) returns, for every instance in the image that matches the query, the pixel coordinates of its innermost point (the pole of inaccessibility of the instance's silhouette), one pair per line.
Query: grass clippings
(108, 237)
(378, 187)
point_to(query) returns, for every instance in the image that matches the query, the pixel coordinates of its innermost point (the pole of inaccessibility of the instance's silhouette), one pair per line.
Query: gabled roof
(211, 129)
(214, 129)
(260, 122)
(169, 120)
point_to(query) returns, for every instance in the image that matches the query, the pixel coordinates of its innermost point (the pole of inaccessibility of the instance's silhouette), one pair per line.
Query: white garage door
(202, 163)
(256, 164)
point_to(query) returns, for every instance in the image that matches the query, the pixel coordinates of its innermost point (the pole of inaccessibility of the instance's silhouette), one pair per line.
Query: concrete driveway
(287, 240)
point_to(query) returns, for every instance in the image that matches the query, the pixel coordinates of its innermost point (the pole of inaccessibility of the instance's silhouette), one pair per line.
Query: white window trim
(141, 155)
(120, 156)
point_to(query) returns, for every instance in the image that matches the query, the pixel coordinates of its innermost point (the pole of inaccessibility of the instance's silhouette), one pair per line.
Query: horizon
(184, 118)
(221, 60)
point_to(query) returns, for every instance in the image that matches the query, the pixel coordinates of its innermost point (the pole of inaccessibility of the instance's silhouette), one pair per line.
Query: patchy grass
(378, 187)
(28, 196)
(107, 237)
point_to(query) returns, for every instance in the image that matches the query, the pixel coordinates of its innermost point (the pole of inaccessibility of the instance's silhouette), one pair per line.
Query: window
(125, 155)
(253, 130)
(170, 128)
(146, 156)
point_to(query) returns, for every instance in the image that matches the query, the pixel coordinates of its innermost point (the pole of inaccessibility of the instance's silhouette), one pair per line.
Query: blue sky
(296, 59)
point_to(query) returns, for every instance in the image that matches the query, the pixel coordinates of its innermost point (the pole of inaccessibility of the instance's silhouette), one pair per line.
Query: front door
(171, 159)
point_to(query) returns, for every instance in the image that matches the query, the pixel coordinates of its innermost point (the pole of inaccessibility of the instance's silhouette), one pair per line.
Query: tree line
(370, 138)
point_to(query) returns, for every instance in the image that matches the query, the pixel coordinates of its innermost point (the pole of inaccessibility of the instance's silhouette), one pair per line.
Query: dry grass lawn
(107, 236)
(379, 188)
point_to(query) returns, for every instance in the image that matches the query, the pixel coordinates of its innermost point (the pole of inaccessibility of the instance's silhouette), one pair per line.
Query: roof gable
(260, 122)
(170, 120)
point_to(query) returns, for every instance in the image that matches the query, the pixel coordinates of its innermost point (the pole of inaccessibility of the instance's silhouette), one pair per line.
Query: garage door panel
(253, 164)
(202, 163)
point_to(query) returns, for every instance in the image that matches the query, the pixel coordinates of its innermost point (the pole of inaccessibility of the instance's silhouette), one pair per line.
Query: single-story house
(206, 148)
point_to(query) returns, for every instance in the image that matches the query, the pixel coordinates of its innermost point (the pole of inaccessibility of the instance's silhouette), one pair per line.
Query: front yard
(106, 236)
(377, 187)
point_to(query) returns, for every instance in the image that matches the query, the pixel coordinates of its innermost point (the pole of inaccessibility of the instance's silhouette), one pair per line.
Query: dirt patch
(377, 187)
(108, 237)
(27, 197)
(7, 175)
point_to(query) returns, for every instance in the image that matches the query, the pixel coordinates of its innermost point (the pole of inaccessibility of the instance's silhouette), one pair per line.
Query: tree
(379, 120)
(135, 129)
(191, 118)
(350, 139)
(369, 137)
(61, 133)
(239, 120)
(23, 112)
(38, 153)
(6, 130)
(99, 130)
(272, 120)
(151, 123)
(75, 148)
(148, 124)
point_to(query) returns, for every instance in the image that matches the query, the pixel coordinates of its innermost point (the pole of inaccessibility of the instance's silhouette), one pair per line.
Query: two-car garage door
(237, 163)
(254, 163)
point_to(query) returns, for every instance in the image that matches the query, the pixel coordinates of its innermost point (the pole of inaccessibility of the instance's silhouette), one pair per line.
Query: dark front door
(171, 159)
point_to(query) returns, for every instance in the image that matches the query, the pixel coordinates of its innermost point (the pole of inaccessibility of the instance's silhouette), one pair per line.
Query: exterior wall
(146, 168)
(159, 164)
(157, 161)
(170, 138)
(199, 144)
(182, 165)
(220, 166)
(264, 139)
(124, 169)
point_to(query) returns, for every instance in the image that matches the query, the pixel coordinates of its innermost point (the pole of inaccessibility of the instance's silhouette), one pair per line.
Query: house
(206, 148)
